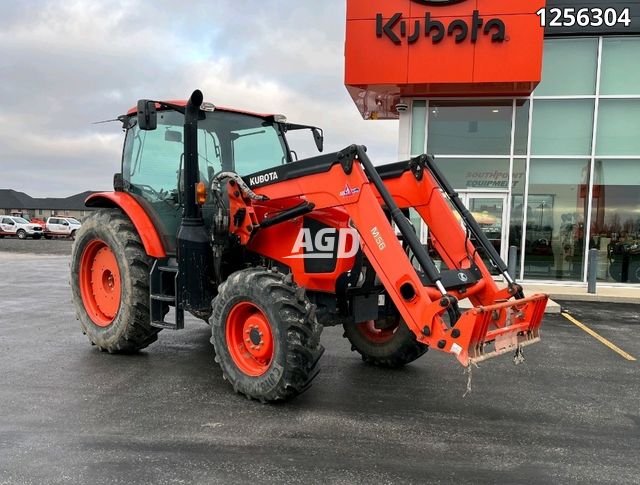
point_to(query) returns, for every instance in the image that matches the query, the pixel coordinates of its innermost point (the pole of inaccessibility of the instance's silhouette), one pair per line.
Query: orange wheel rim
(377, 335)
(100, 286)
(249, 339)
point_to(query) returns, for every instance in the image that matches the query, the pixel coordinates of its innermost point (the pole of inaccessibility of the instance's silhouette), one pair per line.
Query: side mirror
(318, 137)
(147, 115)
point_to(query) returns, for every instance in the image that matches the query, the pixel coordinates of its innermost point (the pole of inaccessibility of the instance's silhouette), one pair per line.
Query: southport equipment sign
(396, 28)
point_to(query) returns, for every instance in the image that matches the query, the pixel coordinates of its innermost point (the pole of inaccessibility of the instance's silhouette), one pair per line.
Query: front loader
(212, 215)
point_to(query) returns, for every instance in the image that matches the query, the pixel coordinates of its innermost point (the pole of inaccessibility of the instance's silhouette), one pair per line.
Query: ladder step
(168, 269)
(165, 325)
(164, 294)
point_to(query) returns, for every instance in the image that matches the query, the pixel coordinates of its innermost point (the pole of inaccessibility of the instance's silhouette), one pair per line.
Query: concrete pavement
(70, 414)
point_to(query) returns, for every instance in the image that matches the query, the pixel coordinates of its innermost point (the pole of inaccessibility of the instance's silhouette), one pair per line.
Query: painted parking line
(596, 336)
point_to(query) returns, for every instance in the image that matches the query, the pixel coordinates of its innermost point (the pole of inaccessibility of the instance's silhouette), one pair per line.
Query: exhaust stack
(194, 251)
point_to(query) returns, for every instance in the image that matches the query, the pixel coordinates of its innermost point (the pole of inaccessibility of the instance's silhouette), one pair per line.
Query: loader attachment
(493, 330)
(425, 295)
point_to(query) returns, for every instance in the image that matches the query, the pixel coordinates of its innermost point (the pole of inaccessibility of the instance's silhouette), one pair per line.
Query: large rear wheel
(110, 283)
(265, 334)
(385, 343)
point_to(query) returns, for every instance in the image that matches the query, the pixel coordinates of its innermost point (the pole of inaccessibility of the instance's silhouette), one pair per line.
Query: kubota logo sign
(396, 28)
(328, 243)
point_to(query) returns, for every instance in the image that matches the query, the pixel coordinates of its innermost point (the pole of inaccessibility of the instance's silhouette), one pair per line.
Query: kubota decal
(436, 30)
(261, 179)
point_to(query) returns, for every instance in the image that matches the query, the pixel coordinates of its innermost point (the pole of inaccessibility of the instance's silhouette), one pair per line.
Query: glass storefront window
(618, 127)
(569, 67)
(476, 174)
(562, 127)
(470, 127)
(418, 127)
(472, 142)
(555, 246)
(615, 219)
(620, 66)
(521, 137)
(517, 208)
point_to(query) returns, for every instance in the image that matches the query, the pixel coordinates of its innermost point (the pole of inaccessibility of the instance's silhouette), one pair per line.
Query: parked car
(19, 227)
(57, 226)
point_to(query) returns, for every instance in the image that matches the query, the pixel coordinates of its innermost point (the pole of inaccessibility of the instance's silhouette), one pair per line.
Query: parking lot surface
(69, 413)
(61, 246)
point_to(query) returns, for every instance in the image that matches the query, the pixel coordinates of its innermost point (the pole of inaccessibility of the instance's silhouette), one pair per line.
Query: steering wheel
(147, 188)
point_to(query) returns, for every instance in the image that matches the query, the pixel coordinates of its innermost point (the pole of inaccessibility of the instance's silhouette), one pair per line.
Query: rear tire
(22, 234)
(265, 334)
(113, 308)
(392, 347)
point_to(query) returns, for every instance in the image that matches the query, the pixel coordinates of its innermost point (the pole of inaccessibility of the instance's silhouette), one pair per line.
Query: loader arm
(427, 299)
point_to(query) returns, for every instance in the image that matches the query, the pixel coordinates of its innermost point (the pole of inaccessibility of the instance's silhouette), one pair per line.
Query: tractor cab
(153, 165)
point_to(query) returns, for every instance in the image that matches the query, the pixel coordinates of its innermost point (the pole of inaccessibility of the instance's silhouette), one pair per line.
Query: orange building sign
(472, 48)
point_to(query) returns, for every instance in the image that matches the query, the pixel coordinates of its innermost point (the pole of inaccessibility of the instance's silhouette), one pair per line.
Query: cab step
(164, 293)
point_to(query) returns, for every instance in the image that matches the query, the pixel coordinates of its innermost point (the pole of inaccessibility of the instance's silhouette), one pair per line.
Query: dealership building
(532, 111)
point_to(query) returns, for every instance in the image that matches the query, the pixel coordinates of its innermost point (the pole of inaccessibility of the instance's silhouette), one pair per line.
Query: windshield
(153, 160)
(20, 220)
(73, 221)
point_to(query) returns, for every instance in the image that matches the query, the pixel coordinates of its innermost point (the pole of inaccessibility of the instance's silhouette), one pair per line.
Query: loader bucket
(490, 331)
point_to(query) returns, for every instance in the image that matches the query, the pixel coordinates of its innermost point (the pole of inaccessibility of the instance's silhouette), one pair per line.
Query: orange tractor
(211, 215)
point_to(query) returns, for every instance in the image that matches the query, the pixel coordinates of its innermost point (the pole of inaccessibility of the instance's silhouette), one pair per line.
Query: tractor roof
(182, 102)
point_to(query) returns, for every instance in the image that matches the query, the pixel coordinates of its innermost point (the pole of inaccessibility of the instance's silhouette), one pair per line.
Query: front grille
(37, 229)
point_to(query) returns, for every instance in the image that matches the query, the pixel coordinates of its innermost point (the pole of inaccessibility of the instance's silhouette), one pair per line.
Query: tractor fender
(140, 219)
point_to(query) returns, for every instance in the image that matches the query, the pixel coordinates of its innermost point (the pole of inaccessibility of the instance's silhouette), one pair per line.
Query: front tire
(392, 346)
(110, 283)
(265, 334)
(22, 234)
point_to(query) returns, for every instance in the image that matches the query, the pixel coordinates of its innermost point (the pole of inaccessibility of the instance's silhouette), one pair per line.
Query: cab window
(153, 158)
(256, 149)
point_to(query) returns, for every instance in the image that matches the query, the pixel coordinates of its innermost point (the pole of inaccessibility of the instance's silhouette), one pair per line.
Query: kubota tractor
(211, 215)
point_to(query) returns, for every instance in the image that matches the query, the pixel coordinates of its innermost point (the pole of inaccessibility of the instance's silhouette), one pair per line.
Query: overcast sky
(64, 65)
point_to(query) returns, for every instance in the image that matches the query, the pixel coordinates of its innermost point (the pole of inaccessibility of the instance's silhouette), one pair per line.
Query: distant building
(17, 203)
